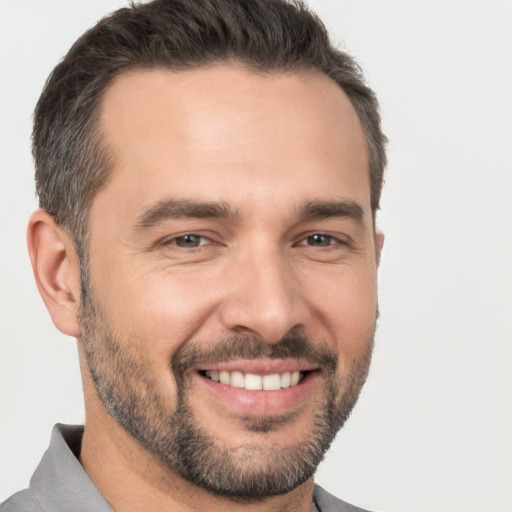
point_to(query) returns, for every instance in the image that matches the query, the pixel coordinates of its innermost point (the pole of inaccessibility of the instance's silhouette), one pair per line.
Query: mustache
(291, 346)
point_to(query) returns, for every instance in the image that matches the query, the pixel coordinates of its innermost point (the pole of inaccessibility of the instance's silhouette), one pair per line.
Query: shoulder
(326, 502)
(22, 501)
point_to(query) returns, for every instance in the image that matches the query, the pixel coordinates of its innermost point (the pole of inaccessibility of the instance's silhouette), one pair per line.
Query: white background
(433, 429)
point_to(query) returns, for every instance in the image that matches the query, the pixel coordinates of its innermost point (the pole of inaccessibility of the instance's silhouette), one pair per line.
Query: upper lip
(260, 366)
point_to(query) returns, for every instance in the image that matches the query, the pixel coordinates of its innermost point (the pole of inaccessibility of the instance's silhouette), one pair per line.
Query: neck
(131, 479)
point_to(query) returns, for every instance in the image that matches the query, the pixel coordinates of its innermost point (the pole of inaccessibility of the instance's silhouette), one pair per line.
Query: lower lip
(261, 403)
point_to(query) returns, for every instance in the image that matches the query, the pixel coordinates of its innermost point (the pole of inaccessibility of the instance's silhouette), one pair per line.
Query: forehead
(205, 130)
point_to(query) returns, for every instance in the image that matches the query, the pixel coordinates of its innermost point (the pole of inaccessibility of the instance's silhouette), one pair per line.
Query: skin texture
(283, 158)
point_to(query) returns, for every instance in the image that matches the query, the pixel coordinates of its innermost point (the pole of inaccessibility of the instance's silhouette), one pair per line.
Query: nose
(263, 297)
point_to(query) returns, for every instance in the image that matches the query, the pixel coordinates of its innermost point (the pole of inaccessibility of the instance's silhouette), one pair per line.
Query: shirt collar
(60, 482)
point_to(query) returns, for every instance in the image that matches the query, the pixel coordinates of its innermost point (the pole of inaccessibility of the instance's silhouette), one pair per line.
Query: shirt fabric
(60, 484)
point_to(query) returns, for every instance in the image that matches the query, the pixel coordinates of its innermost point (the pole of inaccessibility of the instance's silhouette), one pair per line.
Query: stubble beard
(167, 428)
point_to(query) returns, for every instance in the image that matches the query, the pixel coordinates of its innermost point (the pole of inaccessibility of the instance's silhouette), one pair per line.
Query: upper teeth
(255, 382)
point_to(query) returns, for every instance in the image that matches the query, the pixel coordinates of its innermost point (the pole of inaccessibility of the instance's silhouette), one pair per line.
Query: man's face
(232, 259)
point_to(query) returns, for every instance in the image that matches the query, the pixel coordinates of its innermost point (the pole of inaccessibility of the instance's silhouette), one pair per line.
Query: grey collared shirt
(60, 484)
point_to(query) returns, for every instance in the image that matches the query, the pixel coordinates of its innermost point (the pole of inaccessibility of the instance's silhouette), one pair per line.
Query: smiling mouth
(255, 382)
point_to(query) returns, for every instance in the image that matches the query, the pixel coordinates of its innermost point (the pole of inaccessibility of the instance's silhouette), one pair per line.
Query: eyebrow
(176, 209)
(325, 209)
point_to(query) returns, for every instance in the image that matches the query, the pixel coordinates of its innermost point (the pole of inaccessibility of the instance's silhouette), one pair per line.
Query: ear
(379, 244)
(56, 270)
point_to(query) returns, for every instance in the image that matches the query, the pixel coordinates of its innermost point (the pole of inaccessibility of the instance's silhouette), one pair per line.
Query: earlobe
(56, 270)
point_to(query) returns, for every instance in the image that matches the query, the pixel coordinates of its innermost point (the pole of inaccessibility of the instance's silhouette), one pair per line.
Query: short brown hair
(266, 35)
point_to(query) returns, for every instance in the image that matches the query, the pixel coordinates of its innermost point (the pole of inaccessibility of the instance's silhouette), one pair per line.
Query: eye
(188, 241)
(320, 240)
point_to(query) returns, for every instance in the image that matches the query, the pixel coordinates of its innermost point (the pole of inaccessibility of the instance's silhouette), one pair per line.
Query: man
(208, 174)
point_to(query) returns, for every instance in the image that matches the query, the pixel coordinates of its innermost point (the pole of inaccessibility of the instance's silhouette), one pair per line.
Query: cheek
(345, 303)
(164, 310)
